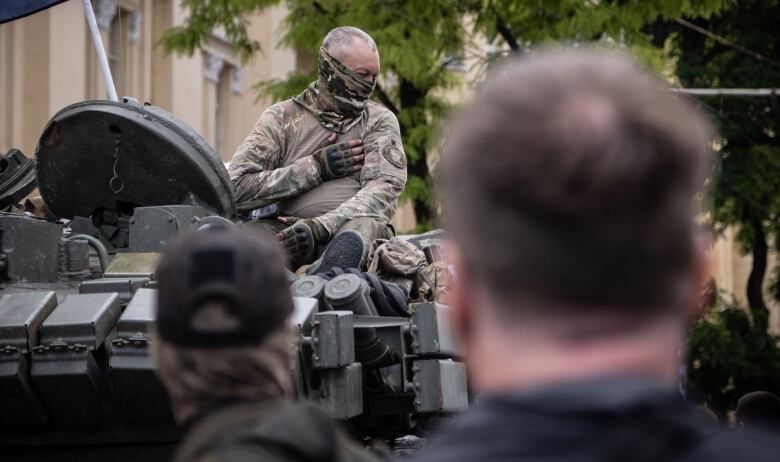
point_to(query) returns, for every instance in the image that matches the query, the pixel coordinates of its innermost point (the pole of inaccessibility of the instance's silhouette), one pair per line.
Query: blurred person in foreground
(569, 190)
(759, 409)
(223, 347)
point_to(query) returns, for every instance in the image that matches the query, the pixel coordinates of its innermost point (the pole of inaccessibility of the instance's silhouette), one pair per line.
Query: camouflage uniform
(275, 164)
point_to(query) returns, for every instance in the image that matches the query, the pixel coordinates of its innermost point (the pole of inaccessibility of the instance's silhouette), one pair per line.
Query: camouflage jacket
(275, 164)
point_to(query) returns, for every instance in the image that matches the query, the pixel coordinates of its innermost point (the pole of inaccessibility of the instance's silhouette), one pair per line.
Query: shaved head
(340, 39)
(355, 49)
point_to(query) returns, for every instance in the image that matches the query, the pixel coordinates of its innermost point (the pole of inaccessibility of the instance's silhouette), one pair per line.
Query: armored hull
(78, 297)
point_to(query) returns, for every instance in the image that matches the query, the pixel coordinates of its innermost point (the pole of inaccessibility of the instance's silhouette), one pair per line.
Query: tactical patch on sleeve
(395, 156)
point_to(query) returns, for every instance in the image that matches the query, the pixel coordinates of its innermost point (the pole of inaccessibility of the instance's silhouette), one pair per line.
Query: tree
(746, 194)
(729, 355)
(731, 351)
(418, 38)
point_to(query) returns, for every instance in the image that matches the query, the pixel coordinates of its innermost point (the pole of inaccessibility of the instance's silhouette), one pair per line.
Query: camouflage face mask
(350, 90)
(338, 96)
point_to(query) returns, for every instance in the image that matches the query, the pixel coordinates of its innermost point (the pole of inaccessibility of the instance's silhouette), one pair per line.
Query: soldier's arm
(257, 178)
(383, 178)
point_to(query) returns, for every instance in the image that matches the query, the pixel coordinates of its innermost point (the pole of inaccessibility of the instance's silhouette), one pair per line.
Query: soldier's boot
(369, 230)
(343, 251)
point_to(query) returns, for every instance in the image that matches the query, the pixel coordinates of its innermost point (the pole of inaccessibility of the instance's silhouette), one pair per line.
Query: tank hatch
(102, 156)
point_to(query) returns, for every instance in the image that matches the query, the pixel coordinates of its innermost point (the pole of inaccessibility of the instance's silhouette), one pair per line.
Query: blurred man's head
(221, 328)
(568, 187)
(759, 409)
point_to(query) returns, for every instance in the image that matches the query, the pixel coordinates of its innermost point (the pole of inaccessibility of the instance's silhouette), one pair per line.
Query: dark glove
(301, 239)
(340, 159)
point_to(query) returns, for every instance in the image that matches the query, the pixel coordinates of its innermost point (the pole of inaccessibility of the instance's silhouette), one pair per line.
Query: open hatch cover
(98, 155)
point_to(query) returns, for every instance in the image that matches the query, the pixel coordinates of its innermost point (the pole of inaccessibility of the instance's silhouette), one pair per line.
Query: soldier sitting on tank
(330, 159)
(222, 344)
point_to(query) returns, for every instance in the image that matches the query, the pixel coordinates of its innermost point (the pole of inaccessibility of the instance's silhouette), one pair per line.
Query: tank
(119, 180)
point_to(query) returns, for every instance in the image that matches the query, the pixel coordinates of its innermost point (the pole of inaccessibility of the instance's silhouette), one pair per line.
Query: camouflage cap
(220, 287)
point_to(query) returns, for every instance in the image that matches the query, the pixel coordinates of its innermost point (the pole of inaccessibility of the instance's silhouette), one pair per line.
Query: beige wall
(31, 51)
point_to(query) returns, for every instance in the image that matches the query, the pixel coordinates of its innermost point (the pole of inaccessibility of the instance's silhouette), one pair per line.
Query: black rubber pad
(343, 251)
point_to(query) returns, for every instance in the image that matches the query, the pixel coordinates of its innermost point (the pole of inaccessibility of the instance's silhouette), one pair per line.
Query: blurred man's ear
(702, 296)
(461, 297)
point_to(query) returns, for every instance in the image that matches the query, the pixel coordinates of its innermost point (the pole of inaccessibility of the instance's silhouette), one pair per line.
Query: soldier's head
(569, 188)
(347, 70)
(355, 49)
(221, 332)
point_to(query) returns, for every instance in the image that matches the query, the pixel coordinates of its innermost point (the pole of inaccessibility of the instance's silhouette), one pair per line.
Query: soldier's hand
(340, 159)
(301, 238)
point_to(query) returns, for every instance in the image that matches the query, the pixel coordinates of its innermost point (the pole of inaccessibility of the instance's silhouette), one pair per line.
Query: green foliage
(748, 184)
(747, 192)
(206, 16)
(545, 21)
(623, 24)
(729, 355)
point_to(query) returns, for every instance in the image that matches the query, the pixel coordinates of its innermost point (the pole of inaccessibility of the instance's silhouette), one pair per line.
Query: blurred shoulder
(730, 445)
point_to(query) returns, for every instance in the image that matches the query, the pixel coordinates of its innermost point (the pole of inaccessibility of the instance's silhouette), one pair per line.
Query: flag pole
(101, 52)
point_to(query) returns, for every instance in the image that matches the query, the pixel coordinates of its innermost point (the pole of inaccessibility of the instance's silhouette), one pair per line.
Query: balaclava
(338, 97)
